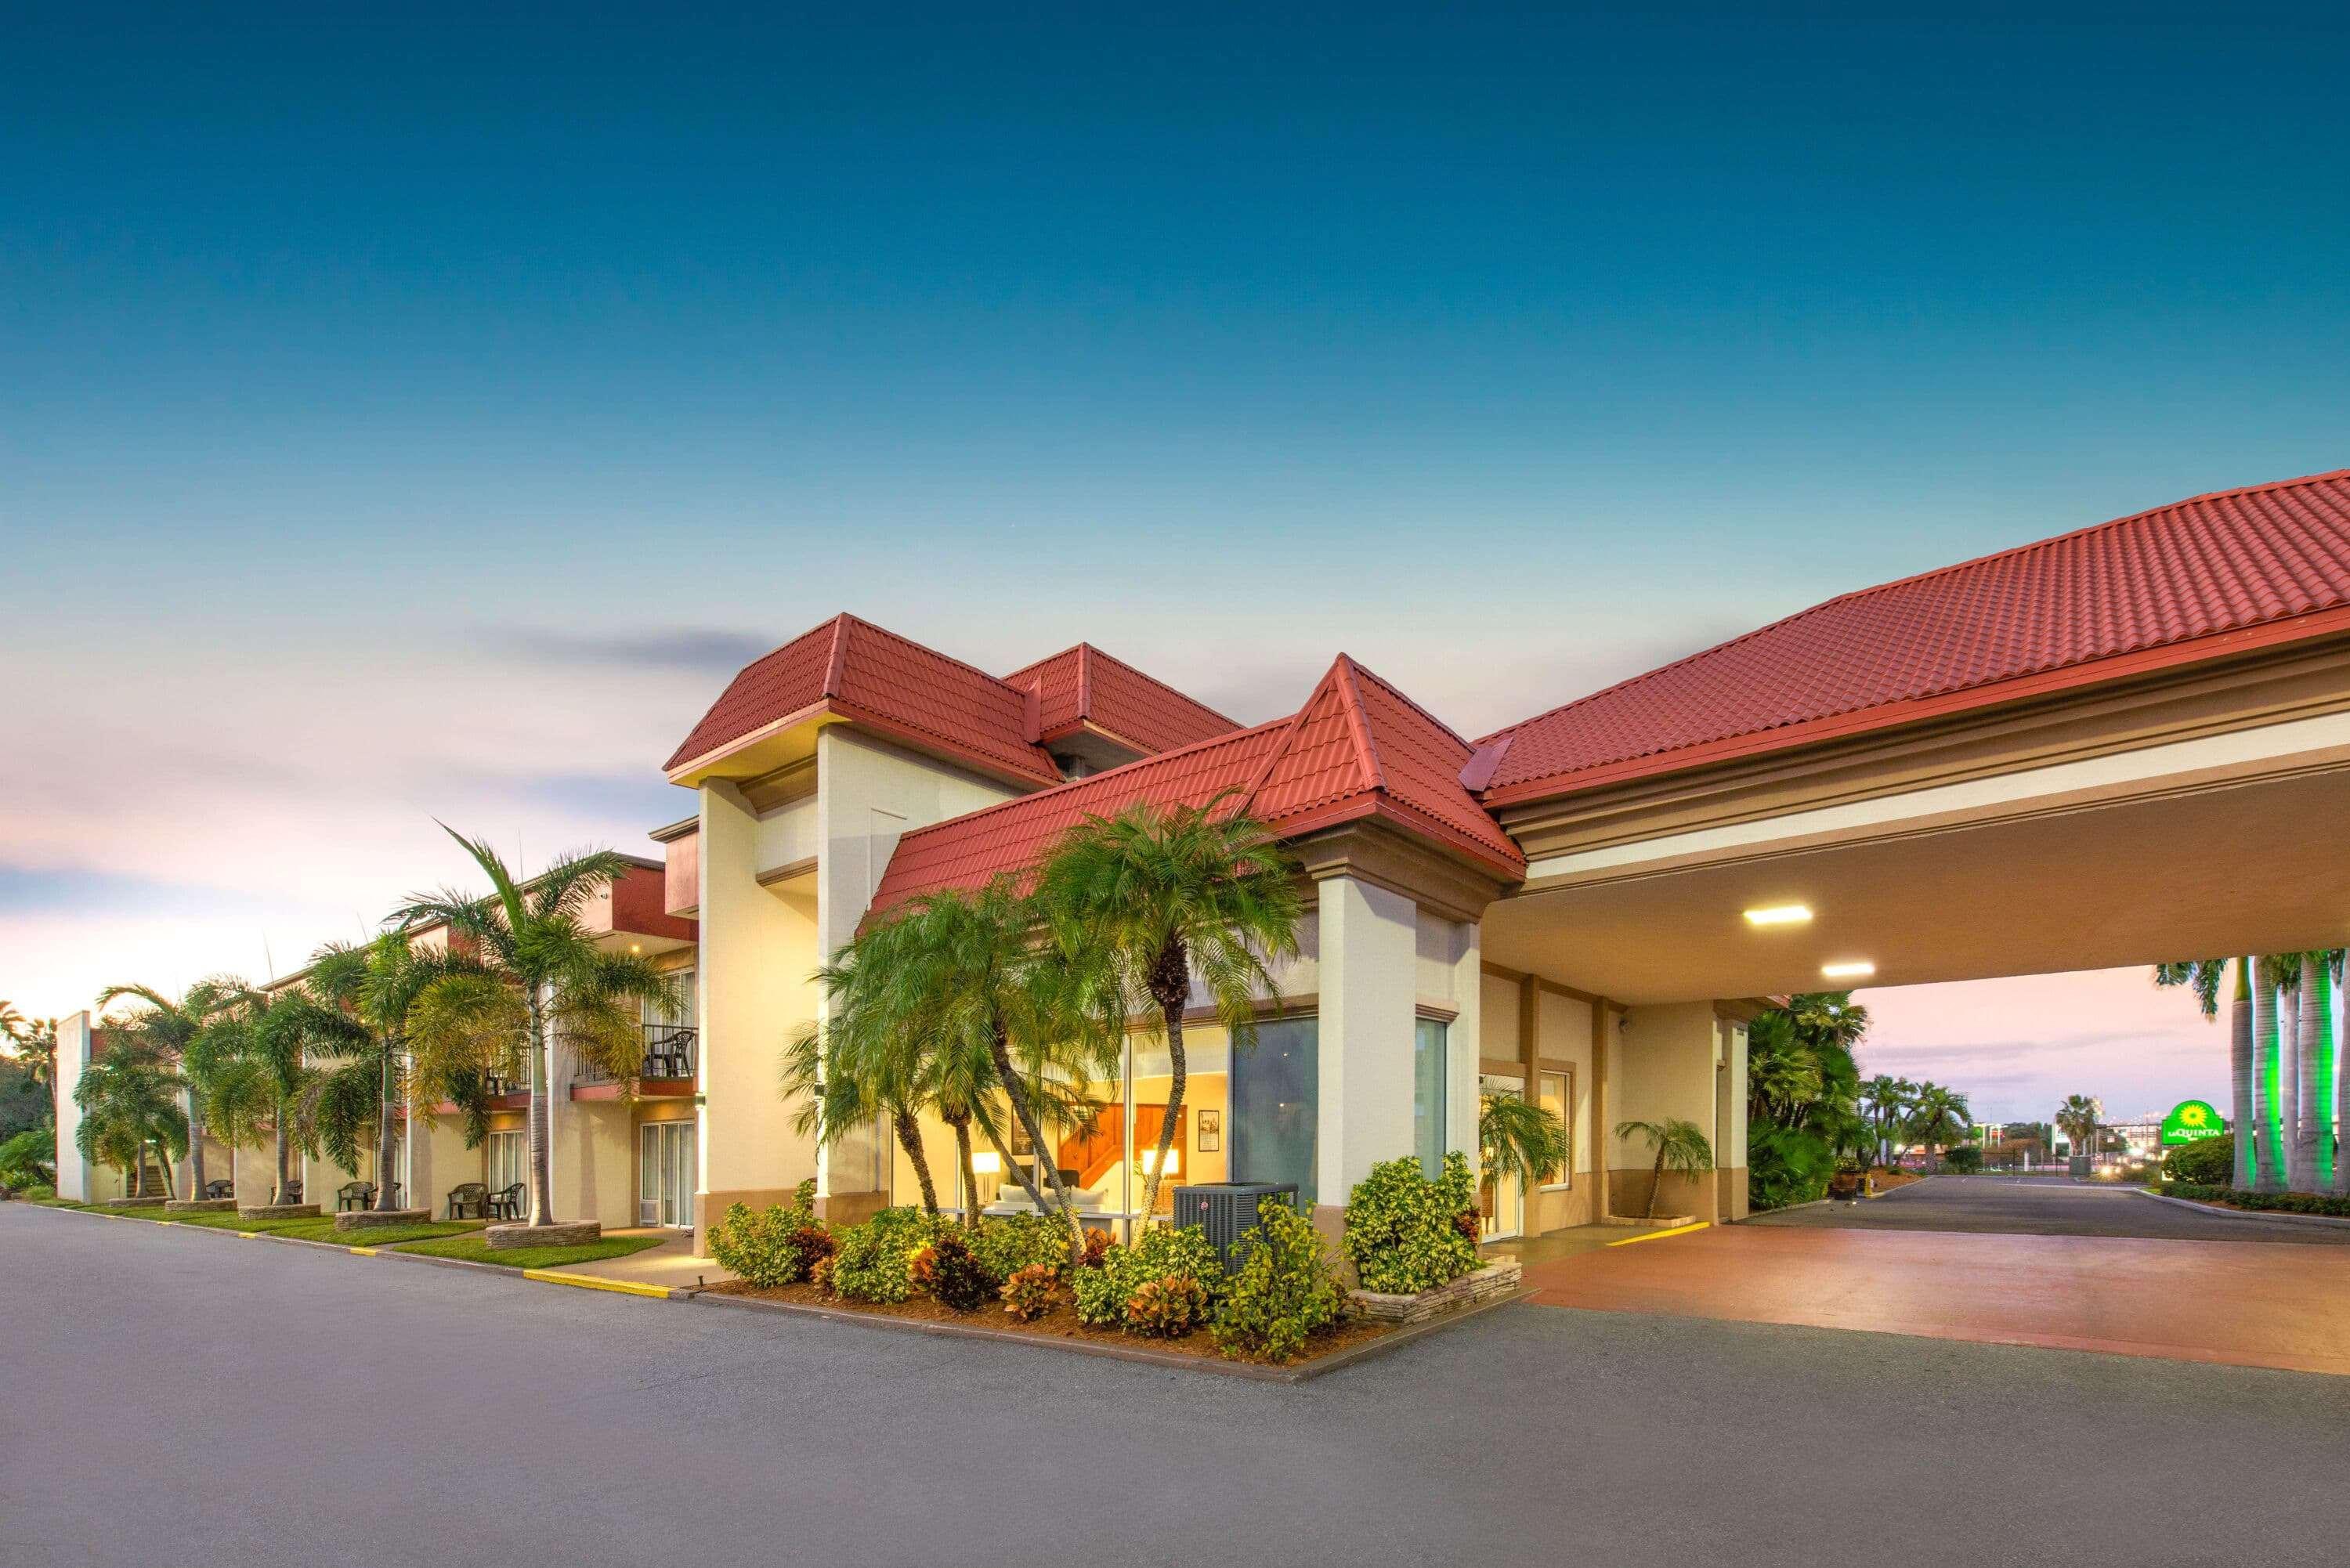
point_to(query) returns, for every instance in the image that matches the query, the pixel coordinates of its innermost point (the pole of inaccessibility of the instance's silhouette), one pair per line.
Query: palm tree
(1783, 1075)
(1938, 1117)
(2076, 1118)
(266, 1036)
(1146, 899)
(1516, 1138)
(1679, 1145)
(2310, 1160)
(537, 975)
(1888, 1102)
(129, 1099)
(2268, 1071)
(170, 1031)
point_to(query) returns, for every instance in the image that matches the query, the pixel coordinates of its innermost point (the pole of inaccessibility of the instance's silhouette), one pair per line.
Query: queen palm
(1888, 1101)
(537, 975)
(1146, 899)
(1680, 1146)
(1938, 1117)
(129, 1099)
(1516, 1138)
(172, 1032)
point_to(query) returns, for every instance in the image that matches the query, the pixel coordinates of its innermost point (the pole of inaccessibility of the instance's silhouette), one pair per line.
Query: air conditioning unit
(1227, 1211)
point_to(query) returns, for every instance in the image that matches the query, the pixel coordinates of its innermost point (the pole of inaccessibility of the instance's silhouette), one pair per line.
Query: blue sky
(409, 411)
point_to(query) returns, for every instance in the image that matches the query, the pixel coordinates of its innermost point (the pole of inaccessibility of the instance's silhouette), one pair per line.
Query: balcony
(666, 1068)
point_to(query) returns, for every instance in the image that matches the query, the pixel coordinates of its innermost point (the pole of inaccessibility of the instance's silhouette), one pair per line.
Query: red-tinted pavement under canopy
(2240, 1303)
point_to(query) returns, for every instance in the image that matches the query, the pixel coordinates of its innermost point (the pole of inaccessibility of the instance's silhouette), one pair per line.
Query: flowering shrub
(1098, 1246)
(1284, 1292)
(1032, 1291)
(1169, 1308)
(874, 1261)
(1403, 1230)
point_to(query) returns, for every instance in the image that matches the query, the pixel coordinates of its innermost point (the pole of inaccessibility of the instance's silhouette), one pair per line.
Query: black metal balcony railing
(510, 1076)
(669, 1057)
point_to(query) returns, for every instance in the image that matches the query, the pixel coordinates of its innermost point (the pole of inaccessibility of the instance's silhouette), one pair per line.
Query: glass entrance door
(1500, 1204)
(665, 1174)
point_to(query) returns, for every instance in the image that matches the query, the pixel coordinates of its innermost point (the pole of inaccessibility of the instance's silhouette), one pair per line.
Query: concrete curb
(542, 1276)
(1660, 1235)
(1175, 1361)
(2200, 1207)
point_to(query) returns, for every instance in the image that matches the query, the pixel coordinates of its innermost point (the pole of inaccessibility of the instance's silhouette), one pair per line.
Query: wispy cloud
(713, 650)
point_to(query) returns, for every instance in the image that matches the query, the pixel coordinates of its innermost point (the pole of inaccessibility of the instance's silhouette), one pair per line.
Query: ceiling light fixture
(1780, 915)
(1856, 969)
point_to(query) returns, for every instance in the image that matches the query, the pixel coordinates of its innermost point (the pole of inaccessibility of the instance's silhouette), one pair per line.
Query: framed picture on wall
(1021, 1146)
(1211, 1131)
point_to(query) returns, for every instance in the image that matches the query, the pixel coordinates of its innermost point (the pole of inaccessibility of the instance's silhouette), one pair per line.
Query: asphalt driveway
(2048, 1205)
(173, 1396)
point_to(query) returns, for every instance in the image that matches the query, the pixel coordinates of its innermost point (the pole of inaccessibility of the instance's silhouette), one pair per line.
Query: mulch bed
(1060, 1323)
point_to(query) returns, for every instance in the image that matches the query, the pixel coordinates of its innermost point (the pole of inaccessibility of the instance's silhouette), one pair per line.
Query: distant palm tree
(1886, 1103)
(2205, 978)
(1939, 1116)
(1153, 897)
(538, 975)
(2076, 1118)
(172, 1032)
(1680, 1146)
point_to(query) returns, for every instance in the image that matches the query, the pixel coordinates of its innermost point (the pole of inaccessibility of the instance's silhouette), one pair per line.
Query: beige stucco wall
(1369, 968)
(594, 1164)
(1562, 1042)
(1664, 1066)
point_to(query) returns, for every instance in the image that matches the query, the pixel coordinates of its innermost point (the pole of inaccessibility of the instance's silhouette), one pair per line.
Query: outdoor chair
(219, 1189)
(469, 1200)
(506, 1203)
(354, 1195)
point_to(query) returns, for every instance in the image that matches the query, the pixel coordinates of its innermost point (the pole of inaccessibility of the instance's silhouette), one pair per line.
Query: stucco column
(1369, 942)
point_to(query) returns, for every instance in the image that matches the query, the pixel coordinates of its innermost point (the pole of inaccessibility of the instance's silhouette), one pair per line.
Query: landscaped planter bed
(201, 1206)
(278, 1212)
(1350, 1342)
(381, 1219)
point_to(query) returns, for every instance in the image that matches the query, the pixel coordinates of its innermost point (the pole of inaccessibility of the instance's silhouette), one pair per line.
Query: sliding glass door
(665, 1174)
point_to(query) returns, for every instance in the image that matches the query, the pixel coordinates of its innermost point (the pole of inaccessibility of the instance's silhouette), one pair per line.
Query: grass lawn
(476, 1250)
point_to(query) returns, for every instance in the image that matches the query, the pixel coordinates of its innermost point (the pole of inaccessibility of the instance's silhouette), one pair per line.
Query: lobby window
(1277, 1104)
(1428, 1071)
(1557, 1096)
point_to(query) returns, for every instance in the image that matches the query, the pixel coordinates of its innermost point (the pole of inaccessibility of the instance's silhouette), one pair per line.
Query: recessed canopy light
(1853, 970)
(1779, 915)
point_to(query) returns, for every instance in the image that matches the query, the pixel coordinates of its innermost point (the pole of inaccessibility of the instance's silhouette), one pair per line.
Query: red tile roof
(2195, 580)
(1082, 686)
(1358, 748)
(859, 671)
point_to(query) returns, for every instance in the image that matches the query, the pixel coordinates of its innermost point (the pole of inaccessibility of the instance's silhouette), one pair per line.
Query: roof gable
(1083, 687)
(2159, 580)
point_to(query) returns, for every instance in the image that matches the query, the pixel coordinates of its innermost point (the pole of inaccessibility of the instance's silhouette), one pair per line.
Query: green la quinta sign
(2191, 1121)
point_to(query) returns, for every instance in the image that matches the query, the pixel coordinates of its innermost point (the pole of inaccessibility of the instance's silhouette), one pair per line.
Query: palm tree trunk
(2240, 1074)
(541, 1164)
(1656, 1186)
(387, 1110)
(279, 1196)
(195, 1144)
(2302, 1173)
(2340, 1184)
(1172, 1013)
(2271, 1174)
(999, 1051)
(910, 1139)
(960, 1122)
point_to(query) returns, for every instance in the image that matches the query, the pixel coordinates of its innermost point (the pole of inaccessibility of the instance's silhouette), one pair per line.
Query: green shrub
(1401, 1230)
(1032, 1291)
(1006, 1243)
(1167, 1309)
(2209, 1162)
(873, 1261)
(1284, 1292)
(1786, 1166)
(950, 1274)
(2271, 1202)
(1105, 1294)
(773, 1248)
(1964, 1160)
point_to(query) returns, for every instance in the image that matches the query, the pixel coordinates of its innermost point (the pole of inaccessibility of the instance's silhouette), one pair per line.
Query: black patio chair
(469, 1200)
(354, 1195)
(506, 1203)
(220, 1189)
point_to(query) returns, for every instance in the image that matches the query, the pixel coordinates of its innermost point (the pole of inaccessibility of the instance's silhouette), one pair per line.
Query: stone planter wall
(380, 1219)
(502, 1237)
(1662, 1222)
(136, 1203)
(200, 1206)
(277, 1212)
(1477, 1286)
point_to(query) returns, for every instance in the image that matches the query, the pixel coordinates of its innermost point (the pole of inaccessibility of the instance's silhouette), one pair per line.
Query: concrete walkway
(2238, 1303)
(674, 1263)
